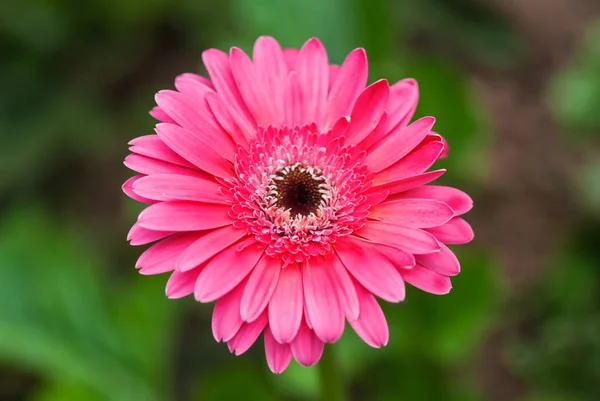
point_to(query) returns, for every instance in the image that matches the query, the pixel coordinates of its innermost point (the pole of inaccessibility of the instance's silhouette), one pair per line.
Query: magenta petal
(413, 164)
(306, 347)
(443, 262)
(456, 231)
(147, 165)
(293, 101)
(398, 144)
(369, 267)
(418, 213)
(225, 117)
(153, 146)
(344, 286)
(459, 201)
(371, 325)
(247, 335)
(271, 72)
(161, 257)
(127, 187)
(181, 284)
(313, 76)
(322, 302)
(141, 236)
(410, 239)
(367, 111)
(226, 270)
(164, 187)
(160, 115)
(404, 96)
(278, 355)
(226, 319)
(411, 182)
(291, 56)
(261, 285)
(207, 246)
(184, 216)
(427, 280)
(286, 305)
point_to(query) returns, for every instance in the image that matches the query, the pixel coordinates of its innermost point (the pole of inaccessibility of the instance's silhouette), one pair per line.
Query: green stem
(330, 376)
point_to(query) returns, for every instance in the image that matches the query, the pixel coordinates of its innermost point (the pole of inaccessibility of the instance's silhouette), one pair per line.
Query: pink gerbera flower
(293, 195)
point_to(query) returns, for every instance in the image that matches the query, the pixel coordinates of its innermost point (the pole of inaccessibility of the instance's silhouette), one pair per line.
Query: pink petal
(184, 216)
(400, 258)
(293, 101)
(164, 187)
(181, 284)
(333, 73)
(343, 284)
(187, 84)
(371, 325)
(411, 182)
(415, 163)
(194, 150)
(306, 347)
(152, 146)
(226, 319)
(418, 213)
(348, 84)
(371, 268)
(161, 257)
(207, 246)
(410, 239)
(290, 56)
(427, 280)
(456, 231)
(376, 135)
(141, 236)
(398, 144)
(261, 285)
(161, 116)
(127, 187)
(285, 307)
(226, 270)
(367, 112)
(459, 201)
(247, 335)
(404, 96)
(218, 67)
(225, 117)
(271, 72)
(322, 302)
(278, 355)
(192, 114)
(149, 166)
(443, 262)
(313, 76)
(198, 78)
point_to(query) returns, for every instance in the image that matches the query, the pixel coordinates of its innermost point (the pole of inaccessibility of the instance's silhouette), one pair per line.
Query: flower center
(298, 190)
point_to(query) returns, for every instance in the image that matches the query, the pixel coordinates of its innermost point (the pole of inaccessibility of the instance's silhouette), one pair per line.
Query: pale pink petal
(141, 236)
(427, 280)
(184, 216)
(346, 86)
(291, 56)
(398, 144)
(306, 348)
(224, 117)
(247, 335)
(271, 72)
(153, 146)
(194, 150)
(410, 239)
(161, 257)
(371, 325)
(165, 187)
(226, 319)
(413, 164)
(456, 231)
(367, 112)
(313, 76)
(261, 285)
(148, 166)
(218, 67)
(404, 96)
(192, 114)
(322, 302)
(293, 100)
(418, 213)
(443, 262)
(343, 284)
(285, 307)
(226, 270)
(127, 187)
(278, 355)
(181, 284)
(371, 268)
(459, 201)
(207, 246)
(158, 114)
(411, 182)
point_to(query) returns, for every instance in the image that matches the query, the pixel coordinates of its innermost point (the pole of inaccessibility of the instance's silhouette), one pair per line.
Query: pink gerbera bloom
(292, 195)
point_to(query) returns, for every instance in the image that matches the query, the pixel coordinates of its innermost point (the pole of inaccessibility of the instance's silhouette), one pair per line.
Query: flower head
(292, 194)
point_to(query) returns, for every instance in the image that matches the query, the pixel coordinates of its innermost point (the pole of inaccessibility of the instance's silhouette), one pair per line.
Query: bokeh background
(515, 87)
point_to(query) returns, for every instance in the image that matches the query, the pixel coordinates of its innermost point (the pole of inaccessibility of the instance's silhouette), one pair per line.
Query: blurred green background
(515, 87)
